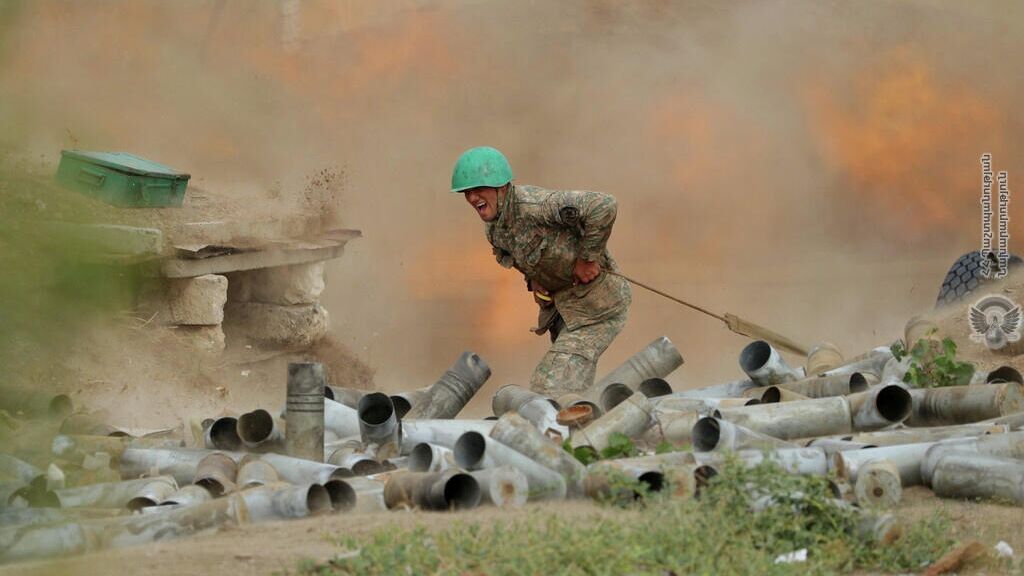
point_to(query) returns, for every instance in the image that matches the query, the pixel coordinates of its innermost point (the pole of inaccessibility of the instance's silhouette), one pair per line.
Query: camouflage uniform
(541, 233)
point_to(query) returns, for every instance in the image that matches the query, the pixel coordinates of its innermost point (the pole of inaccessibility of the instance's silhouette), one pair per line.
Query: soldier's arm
(592, 213)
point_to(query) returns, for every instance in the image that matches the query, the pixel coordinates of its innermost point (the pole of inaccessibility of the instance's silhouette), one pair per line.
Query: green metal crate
(122, 179)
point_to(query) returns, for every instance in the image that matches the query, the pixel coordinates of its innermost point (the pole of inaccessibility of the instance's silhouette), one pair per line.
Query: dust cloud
(812, 166)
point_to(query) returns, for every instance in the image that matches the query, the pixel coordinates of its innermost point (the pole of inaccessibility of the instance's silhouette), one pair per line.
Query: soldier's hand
(584, 272)
(542, 296)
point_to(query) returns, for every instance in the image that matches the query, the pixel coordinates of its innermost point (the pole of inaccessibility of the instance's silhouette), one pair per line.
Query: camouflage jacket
(542, 232)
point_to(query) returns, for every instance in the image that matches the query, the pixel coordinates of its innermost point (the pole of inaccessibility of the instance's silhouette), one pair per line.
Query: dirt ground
(272, 548)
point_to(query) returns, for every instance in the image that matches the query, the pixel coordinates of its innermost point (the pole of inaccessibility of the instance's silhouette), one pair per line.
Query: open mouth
(481, 206)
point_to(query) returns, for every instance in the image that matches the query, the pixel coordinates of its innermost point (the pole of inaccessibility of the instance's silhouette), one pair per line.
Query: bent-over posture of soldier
(557, 239)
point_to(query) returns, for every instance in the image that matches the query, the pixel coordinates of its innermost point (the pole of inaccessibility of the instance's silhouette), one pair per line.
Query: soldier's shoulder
(529, 195)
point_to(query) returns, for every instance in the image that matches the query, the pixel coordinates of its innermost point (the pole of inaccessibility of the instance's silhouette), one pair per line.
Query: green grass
(719, 533)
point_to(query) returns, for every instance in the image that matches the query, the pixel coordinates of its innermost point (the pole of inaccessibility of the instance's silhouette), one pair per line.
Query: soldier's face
(485, 201)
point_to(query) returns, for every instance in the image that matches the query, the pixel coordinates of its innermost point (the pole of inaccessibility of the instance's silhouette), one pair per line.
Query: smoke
(811, 166)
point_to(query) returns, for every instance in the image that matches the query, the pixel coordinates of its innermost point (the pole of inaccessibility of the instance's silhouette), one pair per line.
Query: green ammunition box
(122, 179)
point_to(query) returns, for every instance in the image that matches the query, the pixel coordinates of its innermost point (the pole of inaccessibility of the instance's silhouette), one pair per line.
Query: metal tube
(187, 496)
(449, 490)
(340, 421)
(304, 411)
(222, 434)
(519, 434)
(280, 501)
(833, 445)
(672, 470)
(872, 362)
(12, 468)
(657, 360)
(504, 486)
(259, 430)
(878, 484)
(613, 395)
(426, 457)
(216, 472)
(454, 389)
(823, 357)
(404, 401)
(654, 388)
(180, 463)
(1004, 374)
(880, 407)
(474, 451)
(672, 426)
(918, 435)
(714, 434)
(369, 492)
(299, 471)
(254, 473)
(378, 423)
(804, 461)
(764, 365)
(1009, 445)
(967, 475)
(906, 457)
(19, 543)
(342, 495)
(74, 448)
(354, 456)
(734, 389)
(632, 418)
(348, 396)
(539, 410)
(776, 394)
(152, 494)
(108, 494)
(571, 400)
(790, 420)
(826, 386)
(964, 404)
(440, 432)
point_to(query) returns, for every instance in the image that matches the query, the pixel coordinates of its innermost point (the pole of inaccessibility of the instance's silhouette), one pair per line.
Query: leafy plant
(934, 365)
(619, 446)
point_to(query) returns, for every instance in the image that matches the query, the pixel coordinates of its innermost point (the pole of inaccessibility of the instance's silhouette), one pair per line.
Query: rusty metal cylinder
(449, 490)
(378, 422)
(426, 457)
(672, 426)
(964, 404)
(217, 473)
(776, 394)
(654, 388)
(798, 419)
(304, 411)
(254, 473)
(632, 418)
(906, 457)
(1009, 445)
(348, 396)
(450, 394)
(764, 365)
(259, 430)
(1004, 374)
(519, 434)
(504, 486)
(823, 357)
(613, 395)
(880, 407)
(540, 410)
(474, 451)
(878, 484)
(111, 494)
(713, 434)
(970, 475)
(827, 386)
(222, 434)
(656, 360)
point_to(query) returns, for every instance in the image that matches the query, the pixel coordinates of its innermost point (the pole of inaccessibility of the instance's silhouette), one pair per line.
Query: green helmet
(480, 166)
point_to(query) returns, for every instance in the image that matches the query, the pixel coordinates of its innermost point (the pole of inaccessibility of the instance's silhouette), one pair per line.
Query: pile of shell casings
(338, 450)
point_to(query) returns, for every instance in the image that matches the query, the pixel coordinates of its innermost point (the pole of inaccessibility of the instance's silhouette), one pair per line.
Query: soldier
(557, 239)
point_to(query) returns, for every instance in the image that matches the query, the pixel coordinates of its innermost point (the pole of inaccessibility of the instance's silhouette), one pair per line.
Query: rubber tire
(964, 277)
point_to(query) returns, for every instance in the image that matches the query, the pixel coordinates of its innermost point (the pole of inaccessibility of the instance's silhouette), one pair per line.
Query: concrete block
(197, 301)
(274, 325)
(285, 285)
(207, 339)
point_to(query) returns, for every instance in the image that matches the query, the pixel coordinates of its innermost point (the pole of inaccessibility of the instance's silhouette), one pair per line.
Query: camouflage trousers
(571, 362)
